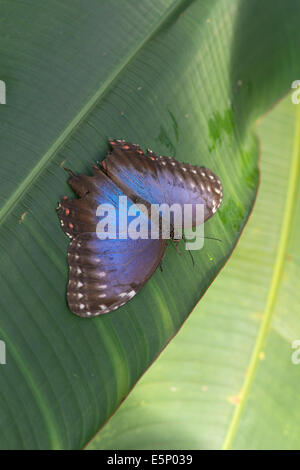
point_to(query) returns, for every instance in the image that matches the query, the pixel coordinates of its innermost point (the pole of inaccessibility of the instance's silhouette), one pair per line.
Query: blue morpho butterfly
(105, 274)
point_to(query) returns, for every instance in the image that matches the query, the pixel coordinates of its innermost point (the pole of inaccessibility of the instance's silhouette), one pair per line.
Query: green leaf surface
(169, 75)
(230, 379)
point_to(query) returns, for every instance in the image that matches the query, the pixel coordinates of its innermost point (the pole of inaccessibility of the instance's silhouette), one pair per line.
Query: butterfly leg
(162, 258)
(192, 258)
(175, 244)
(183, 237)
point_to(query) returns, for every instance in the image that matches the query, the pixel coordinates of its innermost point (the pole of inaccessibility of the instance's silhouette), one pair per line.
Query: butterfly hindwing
(105, 274)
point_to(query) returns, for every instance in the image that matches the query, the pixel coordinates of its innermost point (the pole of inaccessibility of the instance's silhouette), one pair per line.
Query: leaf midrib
(274, 285)
(28, 181)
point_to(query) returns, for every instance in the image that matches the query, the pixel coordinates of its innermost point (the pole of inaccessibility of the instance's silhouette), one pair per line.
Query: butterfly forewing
(160, 179)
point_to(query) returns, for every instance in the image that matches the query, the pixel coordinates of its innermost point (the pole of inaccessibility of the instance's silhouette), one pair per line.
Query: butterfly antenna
(207, 238)
(213, 238)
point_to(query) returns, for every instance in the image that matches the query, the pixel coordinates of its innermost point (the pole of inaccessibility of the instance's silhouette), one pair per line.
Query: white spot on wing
(131, 293)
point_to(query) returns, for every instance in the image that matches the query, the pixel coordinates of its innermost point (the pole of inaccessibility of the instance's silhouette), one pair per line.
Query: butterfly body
(104, 274)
